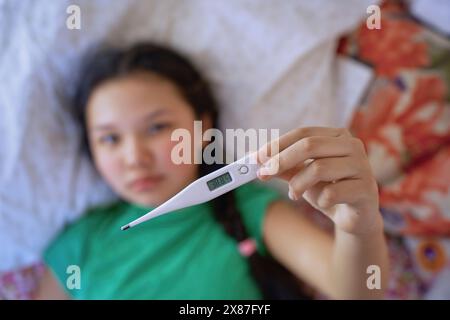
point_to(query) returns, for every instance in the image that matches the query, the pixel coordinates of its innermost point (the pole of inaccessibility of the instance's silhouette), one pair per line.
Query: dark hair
(274, 280)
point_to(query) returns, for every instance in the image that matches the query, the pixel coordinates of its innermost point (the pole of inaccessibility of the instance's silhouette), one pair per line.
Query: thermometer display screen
(219, 181)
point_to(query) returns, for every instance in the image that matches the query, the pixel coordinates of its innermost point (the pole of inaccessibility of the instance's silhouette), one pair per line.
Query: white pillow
(272, 64)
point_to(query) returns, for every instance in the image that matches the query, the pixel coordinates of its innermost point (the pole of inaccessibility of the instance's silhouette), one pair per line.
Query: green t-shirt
(182, 255)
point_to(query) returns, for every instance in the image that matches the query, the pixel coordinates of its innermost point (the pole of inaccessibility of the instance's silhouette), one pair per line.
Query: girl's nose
(136, 153)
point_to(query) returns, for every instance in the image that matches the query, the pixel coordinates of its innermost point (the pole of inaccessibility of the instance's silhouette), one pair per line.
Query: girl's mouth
(145, 183)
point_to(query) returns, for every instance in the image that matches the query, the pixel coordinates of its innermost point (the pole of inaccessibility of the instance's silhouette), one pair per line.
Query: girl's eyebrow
(154, 114)
(148, 117)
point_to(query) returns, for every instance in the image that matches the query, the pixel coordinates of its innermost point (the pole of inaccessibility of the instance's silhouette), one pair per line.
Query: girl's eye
(157, 128)
(109, 139)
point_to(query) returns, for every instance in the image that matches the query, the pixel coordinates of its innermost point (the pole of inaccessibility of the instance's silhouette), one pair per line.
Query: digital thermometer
(206, 188)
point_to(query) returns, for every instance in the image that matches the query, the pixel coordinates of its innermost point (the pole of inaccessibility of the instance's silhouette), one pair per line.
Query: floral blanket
(404, 122)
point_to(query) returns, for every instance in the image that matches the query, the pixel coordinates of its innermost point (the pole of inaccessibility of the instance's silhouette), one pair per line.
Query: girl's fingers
(323, 170)
(274, 147)
(312, 194)
(344, 191)
(286, 175)
(309, 148)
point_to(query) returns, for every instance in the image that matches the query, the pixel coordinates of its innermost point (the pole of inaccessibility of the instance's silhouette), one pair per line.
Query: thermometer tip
(125, 227)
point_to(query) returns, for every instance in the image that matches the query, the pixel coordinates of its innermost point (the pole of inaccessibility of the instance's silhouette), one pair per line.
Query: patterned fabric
(404, 122)
(20, 284)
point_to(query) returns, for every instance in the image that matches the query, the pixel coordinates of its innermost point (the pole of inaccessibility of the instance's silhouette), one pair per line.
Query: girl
(128, 103)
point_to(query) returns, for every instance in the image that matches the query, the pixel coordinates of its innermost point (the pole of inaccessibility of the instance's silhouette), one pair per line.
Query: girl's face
(130, 121)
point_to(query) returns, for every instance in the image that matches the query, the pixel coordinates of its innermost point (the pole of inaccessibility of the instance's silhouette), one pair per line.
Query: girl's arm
(335, 266)
(330, 170)
(49, 288)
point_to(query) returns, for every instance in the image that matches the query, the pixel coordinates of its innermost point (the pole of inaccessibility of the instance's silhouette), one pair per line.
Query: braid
(274, 281)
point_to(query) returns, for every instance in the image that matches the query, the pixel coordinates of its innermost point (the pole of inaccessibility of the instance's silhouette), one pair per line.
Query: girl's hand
(330, 169)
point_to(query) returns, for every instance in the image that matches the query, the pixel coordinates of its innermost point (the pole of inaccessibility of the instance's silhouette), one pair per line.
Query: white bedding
(272, 64)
